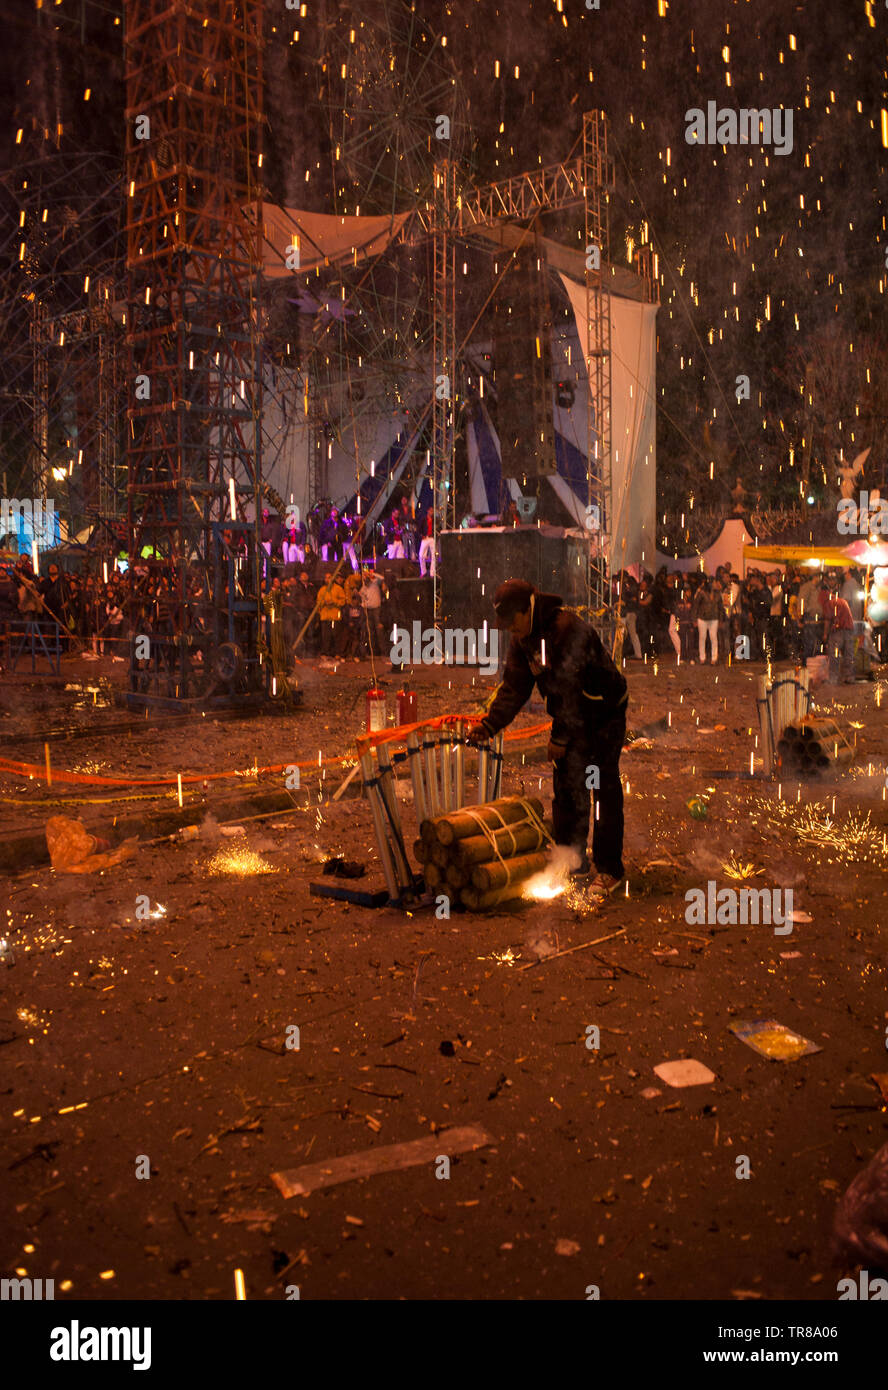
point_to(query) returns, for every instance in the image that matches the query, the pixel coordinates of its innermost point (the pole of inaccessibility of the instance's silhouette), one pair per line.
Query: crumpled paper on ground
(73, 850)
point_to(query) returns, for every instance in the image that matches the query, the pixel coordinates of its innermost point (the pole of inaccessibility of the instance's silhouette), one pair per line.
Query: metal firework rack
(436, 759)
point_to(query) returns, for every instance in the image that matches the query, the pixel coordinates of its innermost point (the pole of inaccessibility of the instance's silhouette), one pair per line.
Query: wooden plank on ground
(299, 1182)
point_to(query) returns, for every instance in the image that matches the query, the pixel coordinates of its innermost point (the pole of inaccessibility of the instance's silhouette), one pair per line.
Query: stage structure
(194, 441)
(460, 214)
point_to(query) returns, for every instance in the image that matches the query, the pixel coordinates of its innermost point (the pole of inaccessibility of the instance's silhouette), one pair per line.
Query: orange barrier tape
(38, 770)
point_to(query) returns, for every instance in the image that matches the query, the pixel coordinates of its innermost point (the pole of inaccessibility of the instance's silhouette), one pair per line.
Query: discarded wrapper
(73, 850)
(686, 1072)
(772, 1039)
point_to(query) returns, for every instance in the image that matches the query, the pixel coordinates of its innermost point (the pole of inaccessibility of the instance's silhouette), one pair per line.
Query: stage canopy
(321, 238)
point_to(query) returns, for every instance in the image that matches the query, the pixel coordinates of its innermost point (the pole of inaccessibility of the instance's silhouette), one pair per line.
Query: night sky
(767, 262)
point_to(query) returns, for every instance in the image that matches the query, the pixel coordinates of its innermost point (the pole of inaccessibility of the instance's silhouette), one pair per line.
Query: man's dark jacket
(582, 687)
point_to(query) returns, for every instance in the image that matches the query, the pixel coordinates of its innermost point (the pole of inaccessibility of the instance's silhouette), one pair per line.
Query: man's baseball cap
(512, 597)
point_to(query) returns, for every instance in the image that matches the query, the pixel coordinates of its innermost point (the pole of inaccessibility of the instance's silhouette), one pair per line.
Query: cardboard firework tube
(447, 802)
(440, 855)
(480, 902)
(459, 825)
(414, 758)
(459, 764)
(378, 815)
(387, 789)
(477, 849)
(433, 799)
(432, 875)
(455, 876)
(496, 875)
(419, 849)
(814, 726)
(483, 763)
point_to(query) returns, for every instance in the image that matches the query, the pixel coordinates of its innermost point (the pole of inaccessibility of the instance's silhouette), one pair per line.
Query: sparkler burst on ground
(850, 837)
(241, 862)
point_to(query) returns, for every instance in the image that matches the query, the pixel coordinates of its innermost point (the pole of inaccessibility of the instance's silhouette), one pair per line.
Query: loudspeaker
(412, 600)
(524, 405)
(475, 563)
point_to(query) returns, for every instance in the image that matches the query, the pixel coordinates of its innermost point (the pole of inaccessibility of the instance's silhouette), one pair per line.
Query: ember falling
(444, 552)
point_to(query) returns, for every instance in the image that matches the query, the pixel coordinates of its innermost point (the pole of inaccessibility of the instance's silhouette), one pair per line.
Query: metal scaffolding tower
(194, 256)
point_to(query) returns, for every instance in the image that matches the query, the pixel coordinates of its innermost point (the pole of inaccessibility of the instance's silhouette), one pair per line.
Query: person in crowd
(331, 601)
(587, 698)
(663, 605)
(427, 557)
(373, 593)
(394, 536)
(644, 622)
(811, 616)
(304, 596)
(270, 534)
(851, 590)
(838, 633)
(684, 602)
(28, 596)
(111, 629)
(756, 609)
(353, 634)
(332, 537)
(628, 593)
(408, 529)
(706, 610)
(293, 544)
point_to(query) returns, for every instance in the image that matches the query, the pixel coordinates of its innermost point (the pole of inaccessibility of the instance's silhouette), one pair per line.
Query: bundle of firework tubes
(480, 854)
(484, 855)
(812, 747)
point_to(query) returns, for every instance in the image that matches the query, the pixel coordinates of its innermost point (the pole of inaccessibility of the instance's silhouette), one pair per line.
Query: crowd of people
(329, 603)
(788, 614)
(331, 535)
(335, 612)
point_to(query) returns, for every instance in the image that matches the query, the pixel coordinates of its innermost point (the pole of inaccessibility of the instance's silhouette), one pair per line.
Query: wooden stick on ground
(570, 950)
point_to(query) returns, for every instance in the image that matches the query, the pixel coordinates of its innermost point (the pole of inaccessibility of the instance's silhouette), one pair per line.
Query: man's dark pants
(599, 748)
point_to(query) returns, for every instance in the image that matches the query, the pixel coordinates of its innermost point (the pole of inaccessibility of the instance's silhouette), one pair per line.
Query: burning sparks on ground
(850, 837)
(554, 882)
(734, 868)
(241, 862)
(506, 957)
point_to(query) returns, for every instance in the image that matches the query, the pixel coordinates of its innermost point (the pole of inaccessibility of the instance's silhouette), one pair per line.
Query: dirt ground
(158, 1045)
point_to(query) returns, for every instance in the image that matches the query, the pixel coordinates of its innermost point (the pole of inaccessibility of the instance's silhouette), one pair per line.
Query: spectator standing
(705, 611)
(304, 596)
(372, 596)
(838, 635)
(331, 601)
(427, 558)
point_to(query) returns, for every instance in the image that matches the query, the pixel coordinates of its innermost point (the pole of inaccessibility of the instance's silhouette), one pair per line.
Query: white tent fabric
(633, 423)
(322, 238)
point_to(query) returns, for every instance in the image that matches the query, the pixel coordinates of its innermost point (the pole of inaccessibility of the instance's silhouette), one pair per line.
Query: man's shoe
(603, 885)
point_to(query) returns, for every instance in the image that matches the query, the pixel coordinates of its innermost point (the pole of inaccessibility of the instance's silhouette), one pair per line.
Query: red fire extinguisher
(407, 707)
(376, 711)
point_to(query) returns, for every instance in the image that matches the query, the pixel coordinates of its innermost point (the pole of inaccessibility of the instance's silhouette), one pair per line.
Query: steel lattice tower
(194, 155)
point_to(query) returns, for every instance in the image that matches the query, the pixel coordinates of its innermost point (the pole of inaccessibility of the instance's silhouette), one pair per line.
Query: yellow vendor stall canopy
(795, 555)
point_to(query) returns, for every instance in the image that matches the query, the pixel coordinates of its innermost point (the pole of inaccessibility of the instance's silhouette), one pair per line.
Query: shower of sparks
(850, 837)
(507, 957)
(734, 868)
(32, 1018)
(240, 862)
